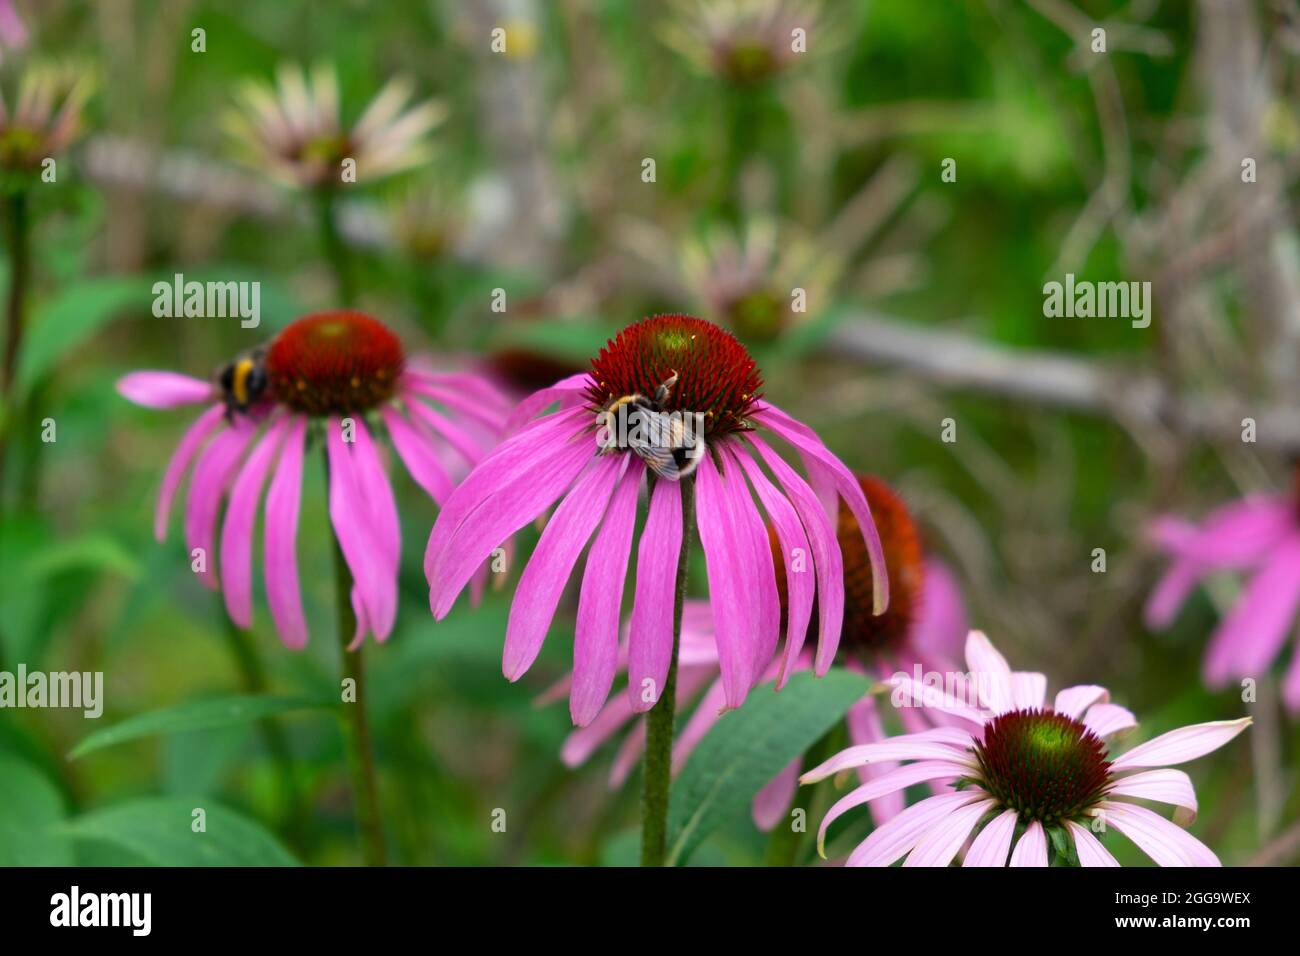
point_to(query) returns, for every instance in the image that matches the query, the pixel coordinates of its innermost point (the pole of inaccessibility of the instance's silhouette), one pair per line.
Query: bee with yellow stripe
(243, 381)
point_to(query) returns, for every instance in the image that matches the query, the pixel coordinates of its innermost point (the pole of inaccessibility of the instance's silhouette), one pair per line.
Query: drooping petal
(281, 539)
(725, 557)
(770, 803)
(1073, 701)
(1181, 745)
(762, 570)
(796, 555)
(507, 491)
(1107, 719)
(701, 721)
(991, 846)
(1164, 786)
(1089, 848)
(939, 743)
(1248, 639)
(351, 520)
(565, 391)
(892, 782)
(828, 561)
(650, 641)
(417, 455)
(548, 570)
(377, 494)
(213, 473)
(237, 530)
(440, 425)
(190, 443)
(164, 389)
(941, 843)
(908, 694)
(595, 637)
(584, 741)
(1031, 848)
(818, 458)
(1166, 843)
(887, 843)
(990, 671)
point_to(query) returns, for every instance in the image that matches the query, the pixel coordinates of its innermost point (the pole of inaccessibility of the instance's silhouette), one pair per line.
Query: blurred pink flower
(1258, 536)
(335, 368)
(925, 625)
(1021, 765)
(13, 32)
(562, 457)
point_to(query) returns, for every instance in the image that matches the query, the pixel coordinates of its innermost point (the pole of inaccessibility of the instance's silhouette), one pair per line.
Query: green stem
(18, 241)
(253, 677)
(336, 252)
(355, 726)
(657, 774)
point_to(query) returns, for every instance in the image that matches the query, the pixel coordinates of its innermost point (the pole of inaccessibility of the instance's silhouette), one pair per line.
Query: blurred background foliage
(824, 173)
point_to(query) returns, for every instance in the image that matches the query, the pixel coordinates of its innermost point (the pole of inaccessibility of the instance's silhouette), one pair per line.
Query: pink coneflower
(293, 130)
(44, 117)
(1257, 536)
(564, 457)
(925, 625)
(1026, 773)
(337, 369)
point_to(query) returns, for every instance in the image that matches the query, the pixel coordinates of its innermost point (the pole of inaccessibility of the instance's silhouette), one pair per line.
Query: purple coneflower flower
(925, 624)
(1257, 536)
(338, 369)
(697, 371)
(1026, 771)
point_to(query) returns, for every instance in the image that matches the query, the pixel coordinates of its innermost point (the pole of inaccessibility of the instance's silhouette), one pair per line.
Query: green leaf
(32, 810)
(748, 747)
(92, 552)
(73, 317)
(160, 831)
(194, 715)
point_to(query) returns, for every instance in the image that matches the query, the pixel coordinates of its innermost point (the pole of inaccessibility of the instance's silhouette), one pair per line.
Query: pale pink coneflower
(44, 116)
(335, 371)
(1258, 537)
(924, 626)
(293, 131)
(1026, 775)
(563, 457)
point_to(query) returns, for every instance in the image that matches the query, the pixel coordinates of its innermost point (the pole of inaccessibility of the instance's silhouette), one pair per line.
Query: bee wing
(660, 460)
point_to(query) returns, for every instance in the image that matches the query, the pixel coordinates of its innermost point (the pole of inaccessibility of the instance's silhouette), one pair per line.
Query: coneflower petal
(793, 541)
(991, 846)
(888, 783)
(1088, 847)
(1165, 785)
(941, 843)
(726, 561)
(152, 389)
(770, 804)
(548, 570)
(375, 494)
(1031, 848)
(1106, 719)
(891, 841)
(865, 727)
(818, 458)
(349, 515)
(650, 639)
(828, 561)
(237, 529)
(190, 443)
(532, 455)
(213, 473)
(566, 392)
(939, 743)
(762, 576)
(418, 455)
(1073, 701)
(1248, 639)
(283, 500)
(595, 638)
(456, 436)
(1181, 745)
(1166, 843)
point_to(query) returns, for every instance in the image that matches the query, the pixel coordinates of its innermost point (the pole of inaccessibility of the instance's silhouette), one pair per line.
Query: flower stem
(657, 774)
(336, 253)
(17, 240)
(356, 728)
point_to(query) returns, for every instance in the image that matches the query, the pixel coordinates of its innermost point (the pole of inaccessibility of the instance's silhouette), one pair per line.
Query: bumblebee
(660, 439)
(243, 381)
